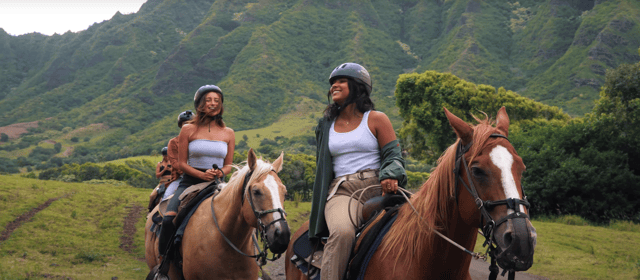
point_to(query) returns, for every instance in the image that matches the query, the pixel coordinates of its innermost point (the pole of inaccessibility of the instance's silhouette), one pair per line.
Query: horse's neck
(229, 212)
(450, 256)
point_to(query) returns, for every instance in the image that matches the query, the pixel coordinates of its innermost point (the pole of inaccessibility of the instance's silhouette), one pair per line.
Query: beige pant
(342, 233)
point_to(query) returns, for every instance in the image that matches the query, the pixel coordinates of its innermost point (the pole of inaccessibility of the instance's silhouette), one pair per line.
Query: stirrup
(160, 276)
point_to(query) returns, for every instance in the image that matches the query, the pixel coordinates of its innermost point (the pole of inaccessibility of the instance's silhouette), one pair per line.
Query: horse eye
(257, 192)
(477, 172)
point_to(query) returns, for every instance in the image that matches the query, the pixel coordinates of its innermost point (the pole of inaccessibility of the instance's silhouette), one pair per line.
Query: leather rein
(262, 256)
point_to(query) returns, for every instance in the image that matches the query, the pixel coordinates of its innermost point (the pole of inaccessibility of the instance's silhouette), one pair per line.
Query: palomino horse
(475, 185)
(252, 199)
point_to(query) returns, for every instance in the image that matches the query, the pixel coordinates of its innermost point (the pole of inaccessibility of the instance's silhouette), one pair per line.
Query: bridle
(485, 206)
(262, 256)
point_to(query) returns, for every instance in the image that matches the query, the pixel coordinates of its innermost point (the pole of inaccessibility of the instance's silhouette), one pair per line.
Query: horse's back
(292, 272)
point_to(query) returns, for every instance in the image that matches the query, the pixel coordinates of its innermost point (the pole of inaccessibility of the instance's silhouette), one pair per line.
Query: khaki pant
(342, 233)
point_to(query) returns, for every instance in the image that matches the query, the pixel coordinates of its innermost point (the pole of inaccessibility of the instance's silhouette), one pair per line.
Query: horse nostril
(277, 232)
(508, 238)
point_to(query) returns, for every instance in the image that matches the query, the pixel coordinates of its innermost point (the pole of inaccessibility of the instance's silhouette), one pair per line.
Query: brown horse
(475, 185)
(242, 206)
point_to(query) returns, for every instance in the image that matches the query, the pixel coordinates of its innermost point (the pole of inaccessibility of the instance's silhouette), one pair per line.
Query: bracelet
(222, 173)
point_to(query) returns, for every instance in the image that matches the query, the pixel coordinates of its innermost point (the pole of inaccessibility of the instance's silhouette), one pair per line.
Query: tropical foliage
(582, 166)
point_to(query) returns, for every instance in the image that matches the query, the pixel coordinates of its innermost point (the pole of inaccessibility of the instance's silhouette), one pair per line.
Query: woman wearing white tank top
(203, 141)
(357, 147)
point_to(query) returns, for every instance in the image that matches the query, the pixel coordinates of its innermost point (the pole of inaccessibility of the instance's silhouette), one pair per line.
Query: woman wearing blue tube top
(203, 142)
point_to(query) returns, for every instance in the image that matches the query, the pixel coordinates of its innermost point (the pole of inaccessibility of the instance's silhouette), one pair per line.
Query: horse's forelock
(237, 179)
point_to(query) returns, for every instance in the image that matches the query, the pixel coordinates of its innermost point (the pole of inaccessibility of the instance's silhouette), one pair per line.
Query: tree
(421, 97)
(617, 112)
(4, 137)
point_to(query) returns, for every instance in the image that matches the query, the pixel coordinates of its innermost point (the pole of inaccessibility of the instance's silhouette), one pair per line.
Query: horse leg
(150, 245)
(291, 271)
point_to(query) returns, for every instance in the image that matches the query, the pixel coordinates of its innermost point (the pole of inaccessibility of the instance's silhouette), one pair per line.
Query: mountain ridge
(134, 73)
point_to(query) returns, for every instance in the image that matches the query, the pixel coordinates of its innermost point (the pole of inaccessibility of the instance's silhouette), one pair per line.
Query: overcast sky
(19, 17)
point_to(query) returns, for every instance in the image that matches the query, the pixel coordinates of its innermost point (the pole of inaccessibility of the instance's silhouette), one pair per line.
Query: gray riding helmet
(354, 71)
(165, 150)
(200, 93)
(185, 116)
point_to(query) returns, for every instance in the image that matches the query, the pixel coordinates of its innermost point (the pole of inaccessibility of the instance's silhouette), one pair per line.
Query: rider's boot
(167, 231)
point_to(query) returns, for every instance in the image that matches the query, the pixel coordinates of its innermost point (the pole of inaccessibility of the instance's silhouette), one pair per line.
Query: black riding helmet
(164, 151)
(354, 71)
(200, 93)
(185, 116)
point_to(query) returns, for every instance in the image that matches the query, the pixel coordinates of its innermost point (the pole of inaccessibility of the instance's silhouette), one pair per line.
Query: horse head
(489, 192)
(264, 192)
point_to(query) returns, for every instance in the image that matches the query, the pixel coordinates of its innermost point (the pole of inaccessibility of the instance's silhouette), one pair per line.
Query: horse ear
(460, 127)
(277, 165)
(503, 121)
(251, 159)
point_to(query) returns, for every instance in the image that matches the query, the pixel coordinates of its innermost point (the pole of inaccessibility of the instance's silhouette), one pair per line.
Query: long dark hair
(357, 94)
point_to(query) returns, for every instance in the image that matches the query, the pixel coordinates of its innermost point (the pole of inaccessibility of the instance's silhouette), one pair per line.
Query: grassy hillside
(79, 236)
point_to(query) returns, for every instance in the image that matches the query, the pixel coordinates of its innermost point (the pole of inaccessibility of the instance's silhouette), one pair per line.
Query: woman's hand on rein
(389, 186)
(209, 175)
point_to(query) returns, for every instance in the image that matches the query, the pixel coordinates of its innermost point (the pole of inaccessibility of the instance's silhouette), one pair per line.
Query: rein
(403, 191)
(262, 256)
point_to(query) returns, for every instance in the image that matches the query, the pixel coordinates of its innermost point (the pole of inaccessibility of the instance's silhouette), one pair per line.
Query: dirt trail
(23, 218)
(129, 228)
(479, 270)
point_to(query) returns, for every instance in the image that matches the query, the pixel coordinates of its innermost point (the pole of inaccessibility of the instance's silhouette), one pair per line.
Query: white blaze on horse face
(503, 159)
(272, 185)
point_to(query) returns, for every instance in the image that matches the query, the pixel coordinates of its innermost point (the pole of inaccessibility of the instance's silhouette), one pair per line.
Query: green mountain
(134, 73)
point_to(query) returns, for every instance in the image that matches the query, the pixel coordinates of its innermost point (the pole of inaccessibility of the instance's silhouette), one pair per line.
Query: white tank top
(204, 153)
(354, 150)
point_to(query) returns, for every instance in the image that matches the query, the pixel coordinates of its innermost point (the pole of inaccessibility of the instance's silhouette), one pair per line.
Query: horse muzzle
(278, 236)
(516, 240)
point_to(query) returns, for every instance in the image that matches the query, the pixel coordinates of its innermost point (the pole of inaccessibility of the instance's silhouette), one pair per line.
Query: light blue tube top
(204, 153)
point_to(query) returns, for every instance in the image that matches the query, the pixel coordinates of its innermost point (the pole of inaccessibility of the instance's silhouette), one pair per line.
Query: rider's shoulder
(188, 127)
(378, 116)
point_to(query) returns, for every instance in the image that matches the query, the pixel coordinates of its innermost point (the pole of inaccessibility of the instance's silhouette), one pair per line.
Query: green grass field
(297, 122)
(78, 236)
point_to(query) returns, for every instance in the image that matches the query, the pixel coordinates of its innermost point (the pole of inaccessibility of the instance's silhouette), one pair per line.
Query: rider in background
(203, 141)
(176, 174)
(163, 172)
(357, 148)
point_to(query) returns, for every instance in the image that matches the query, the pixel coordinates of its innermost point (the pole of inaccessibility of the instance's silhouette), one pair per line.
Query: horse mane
(237, 178)
(410, 236)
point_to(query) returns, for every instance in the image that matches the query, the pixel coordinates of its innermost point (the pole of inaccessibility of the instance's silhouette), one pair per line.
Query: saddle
(189, 198)
(308, 254)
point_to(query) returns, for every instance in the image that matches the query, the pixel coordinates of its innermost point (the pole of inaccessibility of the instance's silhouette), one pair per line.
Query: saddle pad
(162, 206)
(312, 272)
(302, 246)
(194, 188)
(372, 250)
(185, 220)
(368, 243)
